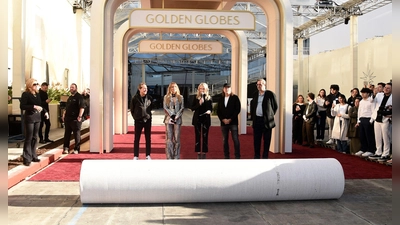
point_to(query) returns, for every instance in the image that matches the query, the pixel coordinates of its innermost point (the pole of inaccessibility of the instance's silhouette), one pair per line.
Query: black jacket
(199, 110)
(311, 112)
(331, 98)
(27, 102)
(269, 108)
(231, 111)
(141, 107)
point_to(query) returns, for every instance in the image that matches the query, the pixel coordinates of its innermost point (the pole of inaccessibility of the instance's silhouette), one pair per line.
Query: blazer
(312, 112)
(269, 108)
(230, 111)
(27, 102)
(173, 109)
(199, 110)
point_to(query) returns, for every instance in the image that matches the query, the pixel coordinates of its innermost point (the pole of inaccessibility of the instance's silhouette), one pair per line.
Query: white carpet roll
(178, 181)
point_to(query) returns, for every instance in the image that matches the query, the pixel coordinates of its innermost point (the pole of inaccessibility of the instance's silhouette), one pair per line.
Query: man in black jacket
(45, 104)
(333, 97)
(73, 118)
(141, 113)
(263, 108)
(228, 111)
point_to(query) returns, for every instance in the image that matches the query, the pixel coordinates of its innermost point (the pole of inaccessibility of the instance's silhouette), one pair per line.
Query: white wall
(334, 67)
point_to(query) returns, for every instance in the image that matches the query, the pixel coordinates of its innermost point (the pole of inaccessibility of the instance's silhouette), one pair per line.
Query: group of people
(263, 108)
(34, 102)
(363, 120)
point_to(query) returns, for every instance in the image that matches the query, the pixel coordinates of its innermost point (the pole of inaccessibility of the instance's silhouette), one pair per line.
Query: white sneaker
(65, 151)
(330, 142)
(75, 151)
(148, 157)
(359, 153)
(367, 154)
(135, 158)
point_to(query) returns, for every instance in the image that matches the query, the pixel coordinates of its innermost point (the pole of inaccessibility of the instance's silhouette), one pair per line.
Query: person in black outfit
(333, 97)
(202, 106)
(355, 93)
(30, 103)
(73, 118)
(45, 104)
(309, 117)
(298, 108)
(86, 99)
(141, 113)
(262, 109)
(228, 111)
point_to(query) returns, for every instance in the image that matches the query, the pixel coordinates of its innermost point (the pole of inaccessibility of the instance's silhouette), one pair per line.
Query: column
(354, 49)
(302, 80)
(18, 66)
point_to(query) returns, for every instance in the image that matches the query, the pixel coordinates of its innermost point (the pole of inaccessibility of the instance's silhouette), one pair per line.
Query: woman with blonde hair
(202, 106)
(173, 108)
(31, 103)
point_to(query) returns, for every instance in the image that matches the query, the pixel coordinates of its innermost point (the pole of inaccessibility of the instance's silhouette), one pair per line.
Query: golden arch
(279, 68)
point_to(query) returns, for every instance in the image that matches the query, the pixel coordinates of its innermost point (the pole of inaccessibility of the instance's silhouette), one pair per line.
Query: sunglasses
(35, 84)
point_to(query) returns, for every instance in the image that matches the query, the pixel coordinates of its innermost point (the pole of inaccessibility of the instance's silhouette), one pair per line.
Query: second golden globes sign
(168, 46)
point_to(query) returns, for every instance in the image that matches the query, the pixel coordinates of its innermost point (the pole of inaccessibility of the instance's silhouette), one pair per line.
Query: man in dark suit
(309, 117)
(228, 111)
(262, 109)
(45, 104)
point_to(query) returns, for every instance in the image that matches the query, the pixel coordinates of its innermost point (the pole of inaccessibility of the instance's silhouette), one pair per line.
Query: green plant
(56, 91)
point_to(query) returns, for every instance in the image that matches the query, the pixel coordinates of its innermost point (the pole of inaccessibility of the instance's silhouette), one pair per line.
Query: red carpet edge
(21, 172)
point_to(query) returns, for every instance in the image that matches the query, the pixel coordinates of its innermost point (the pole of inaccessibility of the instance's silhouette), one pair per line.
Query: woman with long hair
(173, 108)
(298, 109)
(31, 104)
(340, 124)
(321, 115)
(202, 106)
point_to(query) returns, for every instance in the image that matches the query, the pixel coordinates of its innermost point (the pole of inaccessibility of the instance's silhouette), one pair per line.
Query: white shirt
(226, 101)
(365, 109)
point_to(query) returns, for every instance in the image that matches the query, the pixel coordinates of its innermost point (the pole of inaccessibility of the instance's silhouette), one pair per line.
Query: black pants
(201, 129)
(139, 125)
(367, 136)
(259, 132)
(297, 129)
(46, 130)
(73, 126)
(235, 137)
(308, 133)
(30, 143)
(321, 121)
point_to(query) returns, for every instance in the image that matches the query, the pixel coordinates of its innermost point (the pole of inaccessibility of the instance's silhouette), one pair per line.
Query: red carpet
(68, 168)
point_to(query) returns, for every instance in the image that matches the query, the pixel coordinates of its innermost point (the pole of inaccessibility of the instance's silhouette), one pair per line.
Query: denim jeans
(235, 137)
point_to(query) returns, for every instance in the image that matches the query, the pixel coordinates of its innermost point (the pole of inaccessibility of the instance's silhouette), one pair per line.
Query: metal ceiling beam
(331, 15)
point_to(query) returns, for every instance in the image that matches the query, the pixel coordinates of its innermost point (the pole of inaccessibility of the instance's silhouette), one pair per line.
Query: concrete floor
(363, 202)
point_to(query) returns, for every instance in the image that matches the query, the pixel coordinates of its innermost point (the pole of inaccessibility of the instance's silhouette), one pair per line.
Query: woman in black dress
(202, 106)
(298, 108)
